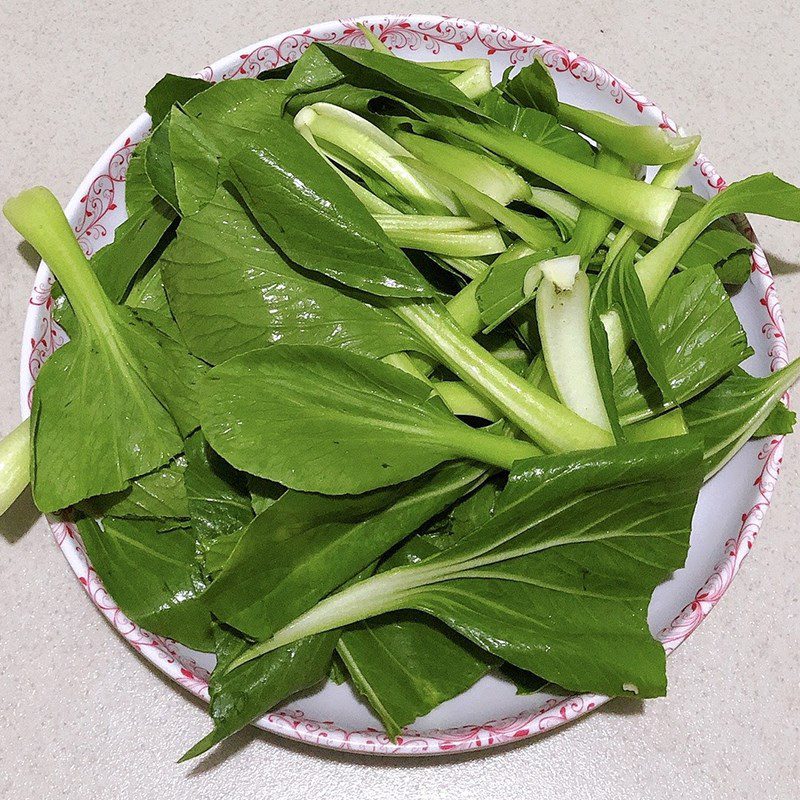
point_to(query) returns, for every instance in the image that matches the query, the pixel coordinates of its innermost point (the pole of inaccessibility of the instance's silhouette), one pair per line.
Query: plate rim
(93, 201)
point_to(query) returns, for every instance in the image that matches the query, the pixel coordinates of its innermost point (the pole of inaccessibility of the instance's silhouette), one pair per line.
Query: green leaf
(218, 502)
(532, 87)
(735, 270)
(237, 698)
(169, 90)
(558, 582)
(714, 246)
(159, 495)
(139, 192)
(158, 164)
(779, 422)
(322, 66)
(406, 665)
(220, 253)
(639, 144)
(303, 546)
(537, 126)
(136, 242)
(213, 126)
(152, 576)
(119, 383)
(300, 201)
(734, 410)
(701, 339)
(623, 291)
(340, 423)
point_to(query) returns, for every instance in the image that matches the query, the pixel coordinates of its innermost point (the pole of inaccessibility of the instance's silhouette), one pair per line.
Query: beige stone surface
(82, 716)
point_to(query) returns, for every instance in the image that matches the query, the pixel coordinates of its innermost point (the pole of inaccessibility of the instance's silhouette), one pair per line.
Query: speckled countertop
(82, 716)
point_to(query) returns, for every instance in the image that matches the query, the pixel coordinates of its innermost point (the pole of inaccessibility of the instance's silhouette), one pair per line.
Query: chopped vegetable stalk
(475, 82)
(465, 402)
(15, 464)
(562, 208)
(667, 176)
(371, 201)
(661, 427)
(561, 271)
(644, 144)
(647, 208)
(461, 237)
(485, 174)
(549, 424)
(562, 313)
(529, 229)
(369, 144)
(593, 226)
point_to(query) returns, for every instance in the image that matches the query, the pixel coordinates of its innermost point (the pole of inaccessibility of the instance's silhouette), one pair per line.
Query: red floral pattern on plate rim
(89, 211)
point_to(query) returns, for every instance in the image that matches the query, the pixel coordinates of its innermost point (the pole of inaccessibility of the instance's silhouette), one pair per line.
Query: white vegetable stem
(562, 313)
(327, 123)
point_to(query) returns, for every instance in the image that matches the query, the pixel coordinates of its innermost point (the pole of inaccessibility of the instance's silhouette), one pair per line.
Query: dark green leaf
(532, 87)
(340, 423)
(728, 414)
(780, 422)
(558, 582)
(300, 201)
(303, 546)
(218, 502)
(152, 576)
(158, 495)
(169, 90)
(701, 339)
(231, 291)
(405, 665)
(237, 698)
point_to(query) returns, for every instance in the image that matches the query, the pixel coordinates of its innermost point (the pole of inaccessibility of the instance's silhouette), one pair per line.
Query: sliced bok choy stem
(549, 424)
(484, 174)
(529, 229)
(668, 177)
(662, 427)
(15, 458)
(647, 208)
(562, 314)
(463, 401)
(593, 225)
(475, 82)
(326, 123)
(461, 237)
(644, 144)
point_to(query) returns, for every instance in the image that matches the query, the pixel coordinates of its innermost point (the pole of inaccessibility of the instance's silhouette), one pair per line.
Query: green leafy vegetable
(114, 356)
(152, 576)
(373, 426)
(304, 546)
(552, 576)
(220, 253)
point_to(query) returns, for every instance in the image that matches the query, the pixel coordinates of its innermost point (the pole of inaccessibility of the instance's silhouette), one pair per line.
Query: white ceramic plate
(731, 507)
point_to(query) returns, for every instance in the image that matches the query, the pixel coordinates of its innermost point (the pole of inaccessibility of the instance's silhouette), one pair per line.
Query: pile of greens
(395, 376)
